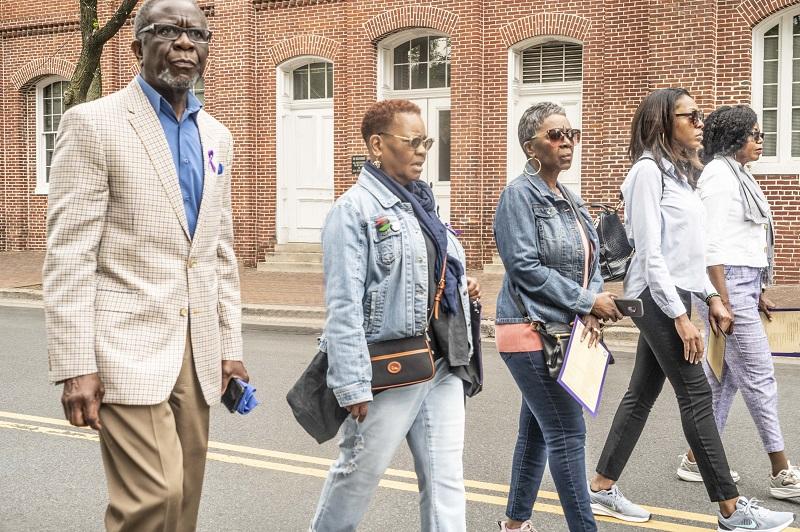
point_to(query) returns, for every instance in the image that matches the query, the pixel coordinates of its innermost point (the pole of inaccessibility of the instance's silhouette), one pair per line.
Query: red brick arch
(545, 24)
(410, 17)
(754, 11)
(307, 44)
(51, 66)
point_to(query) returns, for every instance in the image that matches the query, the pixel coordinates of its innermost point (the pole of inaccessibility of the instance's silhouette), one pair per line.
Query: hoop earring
(525, 170)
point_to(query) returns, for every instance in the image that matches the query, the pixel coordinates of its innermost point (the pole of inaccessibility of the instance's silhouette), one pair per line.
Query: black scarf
(420, 196)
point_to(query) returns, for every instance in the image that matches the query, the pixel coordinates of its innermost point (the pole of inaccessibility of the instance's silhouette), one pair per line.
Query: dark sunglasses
(168, 32)
(696, 117)
(414, 142)
(757, 136)
(557, 135)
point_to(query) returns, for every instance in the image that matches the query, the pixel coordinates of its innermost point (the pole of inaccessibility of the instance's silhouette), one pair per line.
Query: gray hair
(533, 117)
(142, 18)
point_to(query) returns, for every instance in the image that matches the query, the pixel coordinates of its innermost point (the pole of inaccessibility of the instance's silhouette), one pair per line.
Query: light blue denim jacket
(543, 253)
(376, 283)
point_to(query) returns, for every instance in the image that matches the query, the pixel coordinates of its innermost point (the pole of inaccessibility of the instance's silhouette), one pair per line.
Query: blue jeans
(430, 416)
(551, 429)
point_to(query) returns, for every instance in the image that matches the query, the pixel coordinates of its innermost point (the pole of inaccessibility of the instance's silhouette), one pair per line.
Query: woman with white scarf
(740, 252)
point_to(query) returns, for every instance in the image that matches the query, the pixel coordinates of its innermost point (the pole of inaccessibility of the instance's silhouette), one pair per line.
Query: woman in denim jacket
(383, 252)
(550, 255)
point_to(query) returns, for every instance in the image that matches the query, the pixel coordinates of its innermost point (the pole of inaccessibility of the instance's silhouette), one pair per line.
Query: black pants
(659, 355)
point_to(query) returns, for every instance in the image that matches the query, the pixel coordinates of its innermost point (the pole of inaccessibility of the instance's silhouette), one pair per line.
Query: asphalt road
(264, 473)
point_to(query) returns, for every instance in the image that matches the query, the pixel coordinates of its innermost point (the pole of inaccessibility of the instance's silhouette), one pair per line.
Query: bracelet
(712, 294)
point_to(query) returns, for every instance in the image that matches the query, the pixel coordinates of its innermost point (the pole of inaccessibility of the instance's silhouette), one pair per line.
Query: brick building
(292, 78)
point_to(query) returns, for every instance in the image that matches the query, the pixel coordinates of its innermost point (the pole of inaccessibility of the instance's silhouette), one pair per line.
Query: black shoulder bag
(615, 252)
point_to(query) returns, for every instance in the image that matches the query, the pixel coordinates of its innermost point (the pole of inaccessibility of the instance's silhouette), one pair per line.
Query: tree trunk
(86, 82)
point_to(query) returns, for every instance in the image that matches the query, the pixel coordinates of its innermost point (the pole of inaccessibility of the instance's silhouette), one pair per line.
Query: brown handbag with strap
(406, 361)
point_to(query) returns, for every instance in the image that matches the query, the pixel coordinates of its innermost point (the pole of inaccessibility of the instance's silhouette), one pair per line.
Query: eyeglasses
(168, 32)
(414, 142)
(696, 117)
(557, 135)
(757, 136)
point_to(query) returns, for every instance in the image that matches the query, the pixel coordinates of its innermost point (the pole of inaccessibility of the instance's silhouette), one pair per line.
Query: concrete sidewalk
(296, 300)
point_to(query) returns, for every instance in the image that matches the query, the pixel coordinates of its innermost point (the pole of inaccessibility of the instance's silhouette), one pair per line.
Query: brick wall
(630, 47)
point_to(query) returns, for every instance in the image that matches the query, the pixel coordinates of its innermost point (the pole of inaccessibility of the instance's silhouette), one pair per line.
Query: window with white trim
(422, 63)
(776, 86)
(49, 109)
(313, 81)
(552, 62)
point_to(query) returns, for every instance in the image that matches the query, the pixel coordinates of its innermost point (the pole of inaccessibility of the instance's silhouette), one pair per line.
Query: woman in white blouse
(664, 221)
(740, 245)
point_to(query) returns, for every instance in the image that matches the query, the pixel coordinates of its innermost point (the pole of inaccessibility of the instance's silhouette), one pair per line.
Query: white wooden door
(571, 102)
(306, 193)
(436, 172)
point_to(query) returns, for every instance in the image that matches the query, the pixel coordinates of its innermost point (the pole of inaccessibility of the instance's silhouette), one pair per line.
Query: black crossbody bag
(406, 361)
(395, 363)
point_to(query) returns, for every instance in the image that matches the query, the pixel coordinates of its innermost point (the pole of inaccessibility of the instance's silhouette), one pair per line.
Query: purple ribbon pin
(216, 168)
(211, 161)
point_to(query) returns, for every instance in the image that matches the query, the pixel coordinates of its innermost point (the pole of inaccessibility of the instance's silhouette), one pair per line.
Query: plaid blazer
(122, 278)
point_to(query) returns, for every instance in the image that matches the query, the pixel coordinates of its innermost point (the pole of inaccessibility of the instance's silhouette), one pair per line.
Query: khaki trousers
(155, 456)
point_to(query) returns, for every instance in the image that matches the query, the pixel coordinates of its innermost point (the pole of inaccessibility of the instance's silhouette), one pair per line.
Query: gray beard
(178, 83)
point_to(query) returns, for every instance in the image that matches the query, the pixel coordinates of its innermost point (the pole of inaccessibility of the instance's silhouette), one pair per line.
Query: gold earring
(377, 163)
(525, 170)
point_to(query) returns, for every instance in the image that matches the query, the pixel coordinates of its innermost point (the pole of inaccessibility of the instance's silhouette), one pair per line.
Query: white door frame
(429, 101)
(572, 90)
(286, 104)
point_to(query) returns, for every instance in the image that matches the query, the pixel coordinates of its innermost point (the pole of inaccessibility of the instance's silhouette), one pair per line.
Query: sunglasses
(757, 136)
(168, 32)
(414, 142)
(696, 117)
(556, 135)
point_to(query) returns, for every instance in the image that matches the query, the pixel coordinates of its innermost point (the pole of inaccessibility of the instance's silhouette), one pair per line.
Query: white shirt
(730, 239)
(667, 230)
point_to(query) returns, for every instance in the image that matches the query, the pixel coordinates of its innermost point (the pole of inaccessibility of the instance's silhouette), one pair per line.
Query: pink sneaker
(527, 526)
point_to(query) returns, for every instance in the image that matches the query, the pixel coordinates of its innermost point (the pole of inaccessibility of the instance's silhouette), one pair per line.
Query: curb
(307, 320)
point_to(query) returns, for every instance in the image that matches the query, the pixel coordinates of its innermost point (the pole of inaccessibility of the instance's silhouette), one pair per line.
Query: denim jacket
(543, 253)
(376, 282)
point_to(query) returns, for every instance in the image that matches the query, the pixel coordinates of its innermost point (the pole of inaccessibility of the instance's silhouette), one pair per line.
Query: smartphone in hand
(233, 393)
(630, 307)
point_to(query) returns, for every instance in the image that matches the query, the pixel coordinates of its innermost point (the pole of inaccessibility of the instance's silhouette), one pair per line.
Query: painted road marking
(89, 435)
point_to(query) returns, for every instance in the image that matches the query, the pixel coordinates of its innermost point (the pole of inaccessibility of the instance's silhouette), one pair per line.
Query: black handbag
(555, 340)
(406, 361)
(401, 362)
(313, 404)
(615, 252)
(555, 336)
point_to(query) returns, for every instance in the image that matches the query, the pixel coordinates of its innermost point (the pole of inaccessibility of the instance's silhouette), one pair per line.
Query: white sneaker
(689, 471)
(752, 517)
(785, 484)
(613, 503)
(527, 526)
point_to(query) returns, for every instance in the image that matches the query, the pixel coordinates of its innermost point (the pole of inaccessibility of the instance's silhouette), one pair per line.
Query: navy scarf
(420, 196)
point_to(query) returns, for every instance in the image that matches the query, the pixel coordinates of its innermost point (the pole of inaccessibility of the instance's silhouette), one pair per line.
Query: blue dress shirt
(183, 137)
(667, 229)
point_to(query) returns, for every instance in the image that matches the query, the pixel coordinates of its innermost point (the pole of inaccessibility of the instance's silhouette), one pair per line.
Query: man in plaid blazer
(140, 280)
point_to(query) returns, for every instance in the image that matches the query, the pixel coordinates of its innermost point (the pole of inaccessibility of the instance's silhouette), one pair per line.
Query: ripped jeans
(430, 416)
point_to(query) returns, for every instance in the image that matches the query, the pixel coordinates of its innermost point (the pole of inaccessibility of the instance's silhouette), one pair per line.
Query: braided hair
(727, 130)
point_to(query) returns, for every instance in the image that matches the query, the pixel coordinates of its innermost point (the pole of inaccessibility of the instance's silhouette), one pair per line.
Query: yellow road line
(322, 473)
(75, 432)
